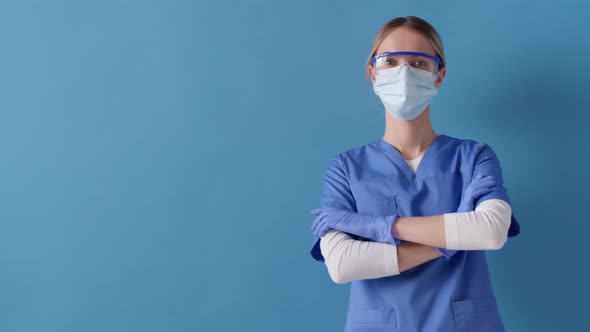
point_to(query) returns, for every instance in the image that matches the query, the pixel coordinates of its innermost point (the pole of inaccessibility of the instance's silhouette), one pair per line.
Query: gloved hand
(482, 185)
(477, 188)
(376, 228)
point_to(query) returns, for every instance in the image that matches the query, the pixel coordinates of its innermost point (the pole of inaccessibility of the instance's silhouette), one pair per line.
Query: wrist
(465, 208)
(388, 234)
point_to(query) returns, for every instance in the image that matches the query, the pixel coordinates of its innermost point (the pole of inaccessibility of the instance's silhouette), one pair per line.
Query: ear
(371, 74)
(440, 77)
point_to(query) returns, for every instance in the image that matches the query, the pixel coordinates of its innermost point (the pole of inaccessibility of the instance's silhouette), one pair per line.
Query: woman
(407, 218)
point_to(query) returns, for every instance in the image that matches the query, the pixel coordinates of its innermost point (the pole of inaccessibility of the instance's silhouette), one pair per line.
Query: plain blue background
(159, 159)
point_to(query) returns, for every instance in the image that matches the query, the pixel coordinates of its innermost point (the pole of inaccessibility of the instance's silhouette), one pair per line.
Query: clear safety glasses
(416, 60)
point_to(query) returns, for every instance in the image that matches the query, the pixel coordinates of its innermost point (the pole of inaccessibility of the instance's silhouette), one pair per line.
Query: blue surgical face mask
(405, 91)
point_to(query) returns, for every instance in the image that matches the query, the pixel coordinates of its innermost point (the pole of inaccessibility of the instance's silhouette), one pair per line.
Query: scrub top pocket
(371, 320)
(377, 206)
(477, 315)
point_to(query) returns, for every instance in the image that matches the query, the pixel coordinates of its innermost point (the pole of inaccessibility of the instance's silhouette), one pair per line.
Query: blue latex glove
(477, 188)
(376, 228)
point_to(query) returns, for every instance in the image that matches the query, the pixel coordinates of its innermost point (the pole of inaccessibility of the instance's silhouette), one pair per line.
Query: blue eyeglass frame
(433, 57)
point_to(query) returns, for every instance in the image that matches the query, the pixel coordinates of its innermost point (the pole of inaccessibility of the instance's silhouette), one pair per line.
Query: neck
(411, 138)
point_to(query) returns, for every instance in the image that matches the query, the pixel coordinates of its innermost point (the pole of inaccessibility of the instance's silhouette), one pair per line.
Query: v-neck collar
(392, 153)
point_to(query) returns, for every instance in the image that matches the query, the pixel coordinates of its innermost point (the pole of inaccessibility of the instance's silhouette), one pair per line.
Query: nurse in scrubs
(407, 218)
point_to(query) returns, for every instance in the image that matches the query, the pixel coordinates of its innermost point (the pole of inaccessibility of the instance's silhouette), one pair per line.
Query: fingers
(485, 183)
(480, 192)
(483, 178)
(481, 186)
(317, 223)
(325, 228)
(482, 182)
(320, 210)
(320, 227)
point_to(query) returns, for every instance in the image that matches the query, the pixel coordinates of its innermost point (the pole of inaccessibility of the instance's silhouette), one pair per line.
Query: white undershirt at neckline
(414, 159)
(413, 163)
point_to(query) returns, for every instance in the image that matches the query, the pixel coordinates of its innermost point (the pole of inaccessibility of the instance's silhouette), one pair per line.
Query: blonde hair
(416, 24)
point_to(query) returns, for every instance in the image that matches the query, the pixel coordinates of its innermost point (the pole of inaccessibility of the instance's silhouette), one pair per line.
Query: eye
(386, 62)
(420, 64)
(391, 61)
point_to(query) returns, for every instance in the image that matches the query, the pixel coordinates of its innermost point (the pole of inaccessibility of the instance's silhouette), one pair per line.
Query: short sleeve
(336, 193)
(487, 163)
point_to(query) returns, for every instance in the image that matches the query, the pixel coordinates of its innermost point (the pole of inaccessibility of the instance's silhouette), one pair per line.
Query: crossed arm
(483, 228)
(348, 259)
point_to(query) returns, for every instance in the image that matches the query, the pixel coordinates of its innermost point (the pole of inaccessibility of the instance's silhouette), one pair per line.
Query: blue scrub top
(444, 294)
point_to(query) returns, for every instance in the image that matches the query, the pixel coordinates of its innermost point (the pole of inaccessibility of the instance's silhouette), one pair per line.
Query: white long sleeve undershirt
(347, 259)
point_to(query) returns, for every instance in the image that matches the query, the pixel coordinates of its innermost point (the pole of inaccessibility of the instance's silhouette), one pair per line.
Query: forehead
(405, 39)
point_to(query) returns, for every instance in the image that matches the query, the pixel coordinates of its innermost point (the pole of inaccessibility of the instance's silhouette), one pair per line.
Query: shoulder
(361, 154)
(352, 158)
(356, 152)
(472, 147)
(462, 142)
